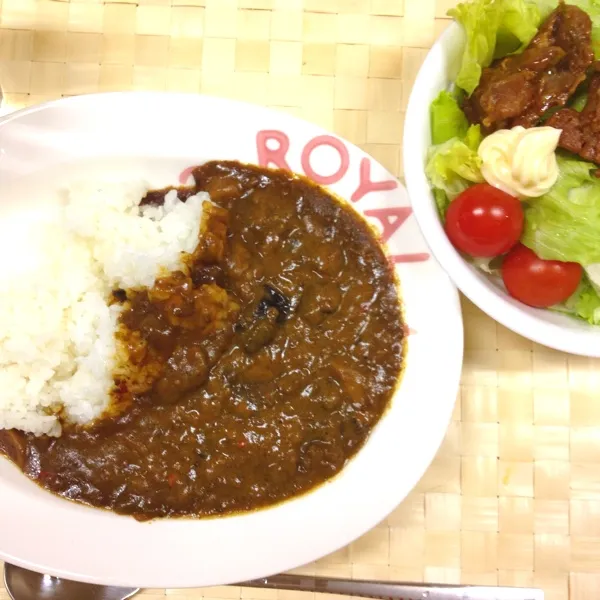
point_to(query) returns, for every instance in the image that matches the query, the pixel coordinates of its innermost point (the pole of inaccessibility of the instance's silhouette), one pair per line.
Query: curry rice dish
(248, 375)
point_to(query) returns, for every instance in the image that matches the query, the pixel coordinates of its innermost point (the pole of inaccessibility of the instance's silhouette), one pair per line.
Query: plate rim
(157, 580)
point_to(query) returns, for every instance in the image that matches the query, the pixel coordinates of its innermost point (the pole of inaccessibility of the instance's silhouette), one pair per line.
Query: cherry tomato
(537, 282)
(484, 221)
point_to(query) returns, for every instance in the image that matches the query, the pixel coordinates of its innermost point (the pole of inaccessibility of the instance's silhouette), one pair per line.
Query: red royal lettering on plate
(390, 218)
(185, 175)
(325, 140)
(268, 156)
(366, 185)
(412, 257)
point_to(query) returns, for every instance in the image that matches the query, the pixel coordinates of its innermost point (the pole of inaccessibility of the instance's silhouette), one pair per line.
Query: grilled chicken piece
(521, 89)
(581, 130)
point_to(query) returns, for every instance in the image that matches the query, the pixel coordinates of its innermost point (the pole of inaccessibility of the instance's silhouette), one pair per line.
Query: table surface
(513, 496)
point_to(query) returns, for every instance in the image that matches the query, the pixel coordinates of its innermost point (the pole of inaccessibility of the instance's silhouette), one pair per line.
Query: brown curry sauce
(255, 376)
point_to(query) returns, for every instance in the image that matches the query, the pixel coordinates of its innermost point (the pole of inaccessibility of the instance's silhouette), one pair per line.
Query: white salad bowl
(545, 327)
(157, 137)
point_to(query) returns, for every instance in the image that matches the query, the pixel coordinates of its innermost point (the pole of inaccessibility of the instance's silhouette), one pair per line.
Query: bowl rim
(527, 322)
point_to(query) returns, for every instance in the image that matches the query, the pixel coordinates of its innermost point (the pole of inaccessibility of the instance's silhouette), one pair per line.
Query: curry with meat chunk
(254, 374)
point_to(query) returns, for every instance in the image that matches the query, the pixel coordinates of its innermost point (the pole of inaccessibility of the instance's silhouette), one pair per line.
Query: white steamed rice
(57, 332)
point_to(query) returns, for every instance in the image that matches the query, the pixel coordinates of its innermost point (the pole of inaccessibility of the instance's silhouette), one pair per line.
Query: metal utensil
(394, 590)
(23, 584)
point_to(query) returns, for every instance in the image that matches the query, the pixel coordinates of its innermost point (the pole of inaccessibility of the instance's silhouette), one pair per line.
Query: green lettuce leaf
(584, 303)
(447, 119)
(493, 28)
(453, 166)
(441, 201)
(564, 224)
(578, 101)
(593, 273)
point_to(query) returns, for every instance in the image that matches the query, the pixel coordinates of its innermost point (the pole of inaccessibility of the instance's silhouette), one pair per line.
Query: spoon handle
(393, 590)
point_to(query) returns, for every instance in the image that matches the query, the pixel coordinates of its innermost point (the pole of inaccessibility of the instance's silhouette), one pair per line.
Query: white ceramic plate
(156, 137)
(542, 326)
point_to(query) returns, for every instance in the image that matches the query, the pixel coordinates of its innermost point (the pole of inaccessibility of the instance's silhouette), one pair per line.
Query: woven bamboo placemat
(513, 496)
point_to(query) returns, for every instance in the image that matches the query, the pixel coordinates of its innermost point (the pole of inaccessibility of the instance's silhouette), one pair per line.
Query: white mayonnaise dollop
(519, 161)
